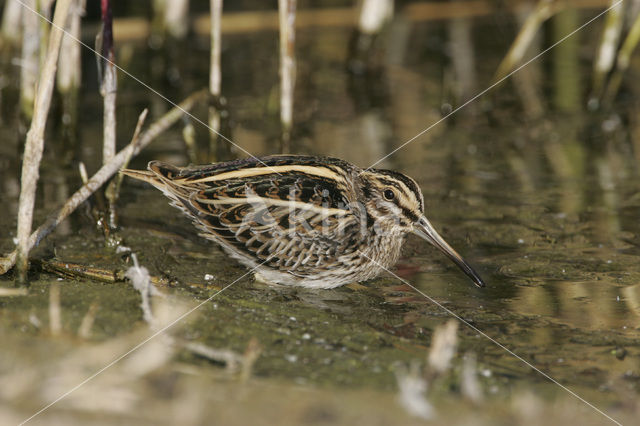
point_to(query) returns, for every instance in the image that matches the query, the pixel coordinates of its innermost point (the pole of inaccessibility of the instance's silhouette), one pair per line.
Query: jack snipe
(301, 220)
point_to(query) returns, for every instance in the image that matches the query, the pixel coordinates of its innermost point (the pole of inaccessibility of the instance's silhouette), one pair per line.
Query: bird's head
(394, 203)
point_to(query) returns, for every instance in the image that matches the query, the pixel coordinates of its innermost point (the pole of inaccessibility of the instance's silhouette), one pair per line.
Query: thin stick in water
(109, 83)
(35, 140)
(566, 75)
(373, 15)
(543, 11)
(287, 15)
(108, 90)
(176, 18)
(623, 61)
(30, 60)
(69, 75)
(214, 77)
(607, 51)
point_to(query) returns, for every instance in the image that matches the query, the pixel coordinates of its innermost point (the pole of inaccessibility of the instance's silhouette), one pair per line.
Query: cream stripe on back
(257, 171)
(275, 202)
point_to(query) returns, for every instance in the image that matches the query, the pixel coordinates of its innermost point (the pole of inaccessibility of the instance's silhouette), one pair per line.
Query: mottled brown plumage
(301, 220)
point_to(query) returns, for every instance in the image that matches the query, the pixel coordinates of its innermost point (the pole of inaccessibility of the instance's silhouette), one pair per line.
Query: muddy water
(545, 208)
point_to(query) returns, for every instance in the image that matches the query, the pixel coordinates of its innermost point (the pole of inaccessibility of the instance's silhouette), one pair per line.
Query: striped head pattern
(392, 199)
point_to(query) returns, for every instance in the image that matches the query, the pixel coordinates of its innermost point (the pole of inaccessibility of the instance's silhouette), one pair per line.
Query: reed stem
(623, 61)
(35, 140)
(108, 90)
(104, 174)
(30, 59)
(373, 15)
(287, 16)
(567, 93)
(109, 84)
(606, 56)
(543, 11)
(11, 19)
(527, 81)
(215, 77)
(462, 58)
(69, 75)
(176, 18)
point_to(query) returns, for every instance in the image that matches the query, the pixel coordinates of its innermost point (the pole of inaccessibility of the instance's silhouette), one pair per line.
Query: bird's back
(298, 216)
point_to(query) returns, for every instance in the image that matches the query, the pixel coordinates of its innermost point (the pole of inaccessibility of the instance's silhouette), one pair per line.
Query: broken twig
(102, 175)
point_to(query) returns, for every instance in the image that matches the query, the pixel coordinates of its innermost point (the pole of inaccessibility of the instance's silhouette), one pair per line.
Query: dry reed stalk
(30, 59)
(76, 271)
(104, 174)
(69, 75)
(84, 331)
(287, 15)
(11, 292)
(176, 18)
(373, 15)
(11, 19)
(543, 11)
(633, 11)
(567, 91)
(109, 84)
(189, 138)
(231, 359)
(443, 346)
(155, 30)
(469, 385)
(108, 91)
(55, 312)
(35, 140)
(214, 74)
(113, 191)
(249, 358)
(623, 60)
(45, 10)
(462, 58)
(527, 81)
(412, 389)
(606, 56)
(215, 77)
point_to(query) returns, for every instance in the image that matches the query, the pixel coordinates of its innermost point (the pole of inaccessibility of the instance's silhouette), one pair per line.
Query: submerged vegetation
(520, 121)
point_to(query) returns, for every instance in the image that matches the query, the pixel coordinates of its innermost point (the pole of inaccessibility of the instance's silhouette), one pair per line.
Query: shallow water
(546, 209)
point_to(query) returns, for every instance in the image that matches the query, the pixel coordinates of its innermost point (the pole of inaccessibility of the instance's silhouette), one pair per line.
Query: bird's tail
(143, 175)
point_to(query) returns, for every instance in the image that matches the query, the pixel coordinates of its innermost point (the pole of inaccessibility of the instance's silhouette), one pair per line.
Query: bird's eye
(389, 195)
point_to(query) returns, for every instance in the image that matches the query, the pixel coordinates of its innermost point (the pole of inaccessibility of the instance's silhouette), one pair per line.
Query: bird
(301, 220)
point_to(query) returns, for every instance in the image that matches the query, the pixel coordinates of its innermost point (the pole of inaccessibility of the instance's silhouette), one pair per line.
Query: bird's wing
(292, 221)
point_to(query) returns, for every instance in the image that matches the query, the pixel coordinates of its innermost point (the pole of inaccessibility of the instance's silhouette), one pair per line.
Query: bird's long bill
(424, 229)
